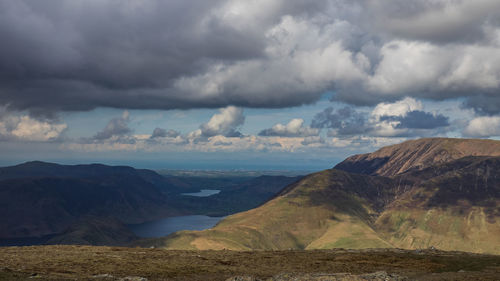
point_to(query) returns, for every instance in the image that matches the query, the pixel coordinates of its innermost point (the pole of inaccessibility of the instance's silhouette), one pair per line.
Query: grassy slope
(457, 210)
(303, 218)
(443, 229)
(453, 206)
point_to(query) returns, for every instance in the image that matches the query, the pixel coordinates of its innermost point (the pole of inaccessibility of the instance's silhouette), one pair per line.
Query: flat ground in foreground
(115, 263)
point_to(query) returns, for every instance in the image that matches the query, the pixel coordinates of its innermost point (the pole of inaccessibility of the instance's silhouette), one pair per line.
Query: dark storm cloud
(78, 55)
(418, 119)
(439, 22)
(483, 104)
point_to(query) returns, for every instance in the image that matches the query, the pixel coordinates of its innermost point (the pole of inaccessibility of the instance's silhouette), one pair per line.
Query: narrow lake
(203, 193)
(166, 226)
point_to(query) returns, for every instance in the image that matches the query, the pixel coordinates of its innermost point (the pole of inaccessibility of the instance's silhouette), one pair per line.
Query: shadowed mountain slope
(241, 196)
(40, 198)
(95, 231)
(449, 204)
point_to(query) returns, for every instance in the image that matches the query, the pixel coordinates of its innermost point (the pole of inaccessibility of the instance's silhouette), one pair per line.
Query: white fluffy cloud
(398, 108)
(403, 118)
(225, 123)
(389, 128)
(294, 128)
(25, 128)
(486, 126)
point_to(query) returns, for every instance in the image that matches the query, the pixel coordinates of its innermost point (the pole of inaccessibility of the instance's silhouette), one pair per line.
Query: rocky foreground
(115, 263)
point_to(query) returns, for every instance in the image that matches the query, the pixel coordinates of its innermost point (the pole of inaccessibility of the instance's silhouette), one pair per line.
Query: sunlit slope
(451, 205)
(324, 210)
(417, 154)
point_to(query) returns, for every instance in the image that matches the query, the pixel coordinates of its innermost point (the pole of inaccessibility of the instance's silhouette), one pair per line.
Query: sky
(242, 84)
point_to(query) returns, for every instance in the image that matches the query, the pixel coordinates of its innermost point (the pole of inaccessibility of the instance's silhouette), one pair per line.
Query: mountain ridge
(417, 154)
(43, 198)
(413, 206)
(66, 203)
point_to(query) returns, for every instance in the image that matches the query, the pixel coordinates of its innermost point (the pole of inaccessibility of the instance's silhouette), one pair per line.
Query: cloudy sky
(242, 84)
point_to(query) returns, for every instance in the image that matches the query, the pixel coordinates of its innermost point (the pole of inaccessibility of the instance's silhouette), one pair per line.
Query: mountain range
(438, 192)
(91, 204)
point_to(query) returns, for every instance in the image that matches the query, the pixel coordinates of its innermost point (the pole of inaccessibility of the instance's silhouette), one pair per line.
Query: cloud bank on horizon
(379, 59)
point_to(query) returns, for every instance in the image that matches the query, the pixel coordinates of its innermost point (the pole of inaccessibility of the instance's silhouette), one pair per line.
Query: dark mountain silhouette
(40, 198)
(96, 231)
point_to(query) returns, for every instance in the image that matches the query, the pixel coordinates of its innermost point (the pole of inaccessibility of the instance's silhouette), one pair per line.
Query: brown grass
(87, 263)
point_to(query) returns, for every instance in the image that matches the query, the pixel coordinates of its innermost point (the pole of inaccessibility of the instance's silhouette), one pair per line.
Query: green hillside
(301, 218)
(451, 205)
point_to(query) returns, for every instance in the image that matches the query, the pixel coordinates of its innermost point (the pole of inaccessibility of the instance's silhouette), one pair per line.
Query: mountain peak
(36, 163)
(417, 154)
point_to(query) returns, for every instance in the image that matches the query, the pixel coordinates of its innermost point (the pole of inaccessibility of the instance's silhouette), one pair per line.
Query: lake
(166, 226)
(203, 193)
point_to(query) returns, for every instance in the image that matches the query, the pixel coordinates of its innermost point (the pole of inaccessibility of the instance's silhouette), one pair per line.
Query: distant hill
(89, 204)
(236, 196)
(433, 194)
(38, 198)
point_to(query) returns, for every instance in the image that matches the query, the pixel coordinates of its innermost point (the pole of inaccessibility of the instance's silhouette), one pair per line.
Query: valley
(426, 209)
(250, 140)
(446, 195)
(92, 204)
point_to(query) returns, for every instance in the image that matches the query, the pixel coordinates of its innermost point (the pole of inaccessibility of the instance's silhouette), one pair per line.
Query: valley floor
(116, 263)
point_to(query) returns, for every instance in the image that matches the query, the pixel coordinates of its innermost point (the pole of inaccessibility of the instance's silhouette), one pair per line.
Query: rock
(376, 276)
(133, 278)
(105, 275)
(242, 278)
(35, 275)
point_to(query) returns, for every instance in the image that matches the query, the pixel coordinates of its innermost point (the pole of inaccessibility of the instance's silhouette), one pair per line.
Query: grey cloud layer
(418, 119)
(77, 55)
(346, 120)
(399, 119)
(116, 127)
(162, 133)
